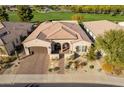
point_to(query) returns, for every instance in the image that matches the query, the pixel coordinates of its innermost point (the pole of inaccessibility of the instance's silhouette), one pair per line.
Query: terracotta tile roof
(99, 27)
(58, 30)
(62, 34)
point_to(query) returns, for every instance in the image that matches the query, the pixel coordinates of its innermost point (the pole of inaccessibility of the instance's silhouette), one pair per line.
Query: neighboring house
(12, 35)
(121, 23)
(12, 7)
(58, 37)
(96, 28)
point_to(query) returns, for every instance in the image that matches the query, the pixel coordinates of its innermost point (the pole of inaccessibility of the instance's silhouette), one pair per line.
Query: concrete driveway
(36, 63)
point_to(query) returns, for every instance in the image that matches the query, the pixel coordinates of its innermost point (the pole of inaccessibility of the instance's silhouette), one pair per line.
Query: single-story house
(58, 37)
(96, 28)
(12, 35)
(67, 36)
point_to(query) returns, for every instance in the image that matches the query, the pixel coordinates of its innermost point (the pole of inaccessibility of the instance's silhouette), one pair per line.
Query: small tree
(91, 55)
(25, 13)
(77, 17)
(112, 44)
(3, 14)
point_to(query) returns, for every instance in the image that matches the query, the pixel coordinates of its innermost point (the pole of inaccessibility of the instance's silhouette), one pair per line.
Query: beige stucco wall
(36, 43)
(80, 43)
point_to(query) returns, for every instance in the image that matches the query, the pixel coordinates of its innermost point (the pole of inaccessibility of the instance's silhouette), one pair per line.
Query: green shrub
(56, 68)
(7, 65)
(70, 63)
(8, 59)
(13, 58)
(50, 70)
(91, 66)
(91, 54)
(67, 67)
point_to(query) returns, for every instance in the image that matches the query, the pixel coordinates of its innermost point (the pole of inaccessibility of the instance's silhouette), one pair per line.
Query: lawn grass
(66, 16)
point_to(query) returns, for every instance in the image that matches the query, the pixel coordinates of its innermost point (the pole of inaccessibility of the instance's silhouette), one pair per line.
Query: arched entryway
(66, 47)
(56, 47)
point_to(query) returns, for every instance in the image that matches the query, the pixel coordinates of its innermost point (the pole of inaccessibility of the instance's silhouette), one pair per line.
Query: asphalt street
(56, 85)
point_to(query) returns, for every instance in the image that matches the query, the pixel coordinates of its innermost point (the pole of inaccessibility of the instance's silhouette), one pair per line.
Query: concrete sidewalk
(59, 78)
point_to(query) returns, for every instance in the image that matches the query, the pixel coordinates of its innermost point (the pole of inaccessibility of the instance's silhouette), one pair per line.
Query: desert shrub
(67, 67)
(117, 71)
(77, 62)
(12, 58)
(83, 63)
(70, 63)
(91, 54)
(91, 66)
(76, 66)
(8, 59)
(50, 69)
(107, 67)
(55, 59)
(72, 57)
(7, 65)
(56, 68)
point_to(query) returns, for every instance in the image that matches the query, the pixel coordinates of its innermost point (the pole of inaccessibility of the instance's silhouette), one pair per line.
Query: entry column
(27, 52)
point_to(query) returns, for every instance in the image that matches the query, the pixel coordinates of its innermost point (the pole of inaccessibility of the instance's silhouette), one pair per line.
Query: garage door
(38, 50)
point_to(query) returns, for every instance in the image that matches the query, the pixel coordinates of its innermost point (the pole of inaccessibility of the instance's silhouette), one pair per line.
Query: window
(78, 48)
(84, 48)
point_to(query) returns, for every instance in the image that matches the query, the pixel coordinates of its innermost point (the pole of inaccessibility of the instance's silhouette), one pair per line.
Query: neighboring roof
(99, 27)
(121, 23)
(14, 29)
(59, 30)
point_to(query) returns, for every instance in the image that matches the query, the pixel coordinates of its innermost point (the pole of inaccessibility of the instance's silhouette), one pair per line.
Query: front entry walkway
(61, 63)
